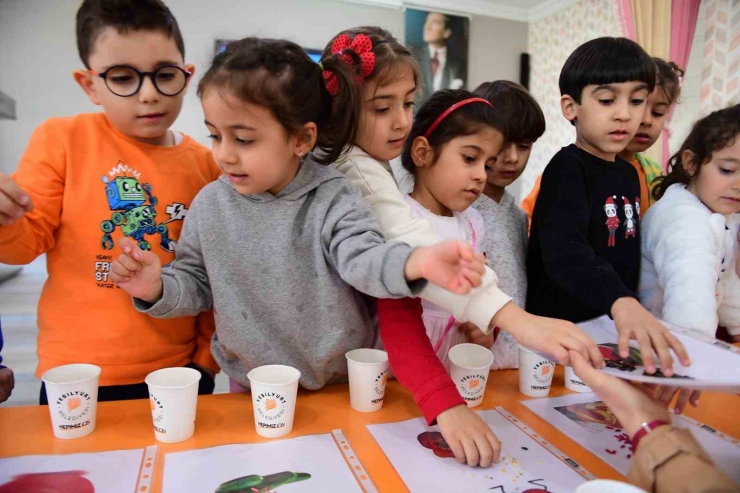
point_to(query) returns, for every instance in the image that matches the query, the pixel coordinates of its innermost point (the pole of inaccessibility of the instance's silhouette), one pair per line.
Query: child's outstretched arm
(182, 289)
(486, 306)
(364, 260)
(452, 265)
(417, 368)
(31, 200)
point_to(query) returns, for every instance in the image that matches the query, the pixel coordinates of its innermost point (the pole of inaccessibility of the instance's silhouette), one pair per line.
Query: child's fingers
(117, 278)
(10, 207)
(6, 220)
(475, 278)
(457, 448)
(127, 245)
(116, 267)
(129, 263)
(646, 351)
(678, 348)
(145, 258)
(495, 445)
(624, 343)
(484, 449)
(592, 352)
(471, 451)
(559, 352)
(660, 344)
(466, 251)
(12, 191)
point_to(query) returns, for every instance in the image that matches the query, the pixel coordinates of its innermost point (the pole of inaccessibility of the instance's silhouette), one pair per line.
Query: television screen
(313, 54)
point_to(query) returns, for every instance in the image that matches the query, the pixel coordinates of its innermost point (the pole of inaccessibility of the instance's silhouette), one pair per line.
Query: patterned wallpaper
(551, 40)
(721, 74)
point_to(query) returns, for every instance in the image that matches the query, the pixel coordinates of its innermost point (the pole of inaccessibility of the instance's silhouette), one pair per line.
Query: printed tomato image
(49, 482)
(433, 440)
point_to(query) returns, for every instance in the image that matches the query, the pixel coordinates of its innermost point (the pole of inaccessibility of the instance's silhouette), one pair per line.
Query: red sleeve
(412, 357)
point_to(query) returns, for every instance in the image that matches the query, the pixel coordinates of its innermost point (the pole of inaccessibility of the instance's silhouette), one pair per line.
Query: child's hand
(475, 336)
(137, 272)
(7, 382)
(547, 335)
(469, 437)
(452, 265)
(635, 322)
(14, 202)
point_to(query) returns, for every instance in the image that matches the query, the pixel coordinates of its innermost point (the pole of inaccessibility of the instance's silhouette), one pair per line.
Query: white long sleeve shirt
(379, 188)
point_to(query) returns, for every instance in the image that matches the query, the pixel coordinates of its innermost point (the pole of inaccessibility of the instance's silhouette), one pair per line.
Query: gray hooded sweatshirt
(281, 272)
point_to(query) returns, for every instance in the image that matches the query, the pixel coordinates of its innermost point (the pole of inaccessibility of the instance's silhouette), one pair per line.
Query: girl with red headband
(454, 142)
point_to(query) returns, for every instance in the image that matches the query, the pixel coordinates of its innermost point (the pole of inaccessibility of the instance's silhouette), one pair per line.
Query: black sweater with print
(584, 247)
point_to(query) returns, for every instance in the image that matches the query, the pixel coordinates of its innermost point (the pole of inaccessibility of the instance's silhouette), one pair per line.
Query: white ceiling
(518, 10)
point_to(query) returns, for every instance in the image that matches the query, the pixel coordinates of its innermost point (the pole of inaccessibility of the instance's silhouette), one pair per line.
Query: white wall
(38, 50)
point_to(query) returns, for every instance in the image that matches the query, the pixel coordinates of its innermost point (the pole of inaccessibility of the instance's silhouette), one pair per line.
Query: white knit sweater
(689, 256)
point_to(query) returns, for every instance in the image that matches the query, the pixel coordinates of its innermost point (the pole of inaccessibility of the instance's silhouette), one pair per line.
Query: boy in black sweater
(583, 258)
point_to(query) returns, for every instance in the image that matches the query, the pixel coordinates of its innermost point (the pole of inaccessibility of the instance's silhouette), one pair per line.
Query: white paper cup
(173, 396)
(368, 374)
(574, 383)
(470, 365)
(607, 486)
(72, 391)
(274, 391)
(535, 373)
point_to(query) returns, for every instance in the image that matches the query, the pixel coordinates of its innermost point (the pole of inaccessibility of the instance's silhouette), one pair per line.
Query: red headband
(452, 108)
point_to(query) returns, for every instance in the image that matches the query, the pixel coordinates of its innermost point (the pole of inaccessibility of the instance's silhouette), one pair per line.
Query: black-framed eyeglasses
(125, 81)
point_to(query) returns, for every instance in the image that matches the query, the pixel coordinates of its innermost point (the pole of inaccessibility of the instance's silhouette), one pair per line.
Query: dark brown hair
(669, 76)
(279, 75)
(389, 53)
(515, 105)
(466, 120)
(125, 16)
(712, 133)
(605, 61)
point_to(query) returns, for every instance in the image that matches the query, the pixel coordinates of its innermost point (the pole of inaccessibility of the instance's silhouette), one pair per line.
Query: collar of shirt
(441, 54)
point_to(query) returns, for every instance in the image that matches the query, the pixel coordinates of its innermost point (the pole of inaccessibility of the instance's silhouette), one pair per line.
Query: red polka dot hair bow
(363, 47)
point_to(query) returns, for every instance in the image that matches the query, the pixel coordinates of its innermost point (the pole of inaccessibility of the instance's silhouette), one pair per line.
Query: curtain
(626, 19)
(653, 33)
(684, 14)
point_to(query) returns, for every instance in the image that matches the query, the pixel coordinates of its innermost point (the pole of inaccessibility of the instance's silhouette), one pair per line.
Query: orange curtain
(653, 32)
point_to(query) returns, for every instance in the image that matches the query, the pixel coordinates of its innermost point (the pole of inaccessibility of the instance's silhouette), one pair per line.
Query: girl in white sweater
(690, 246)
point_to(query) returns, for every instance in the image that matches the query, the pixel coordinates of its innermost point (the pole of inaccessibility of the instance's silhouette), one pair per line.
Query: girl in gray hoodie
(284, 248)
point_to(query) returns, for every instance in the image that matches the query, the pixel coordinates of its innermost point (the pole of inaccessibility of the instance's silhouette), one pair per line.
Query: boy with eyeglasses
(85, 182)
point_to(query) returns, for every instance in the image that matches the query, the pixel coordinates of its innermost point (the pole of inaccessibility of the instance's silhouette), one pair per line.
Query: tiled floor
(19, 298)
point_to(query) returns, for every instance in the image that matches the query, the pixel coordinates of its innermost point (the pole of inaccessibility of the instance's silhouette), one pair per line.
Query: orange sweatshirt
(92, 186)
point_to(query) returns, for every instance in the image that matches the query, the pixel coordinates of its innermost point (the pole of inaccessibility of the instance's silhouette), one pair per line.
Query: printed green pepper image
(261, 484)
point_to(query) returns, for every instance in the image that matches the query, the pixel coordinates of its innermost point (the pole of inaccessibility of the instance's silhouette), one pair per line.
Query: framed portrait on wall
(439, 42)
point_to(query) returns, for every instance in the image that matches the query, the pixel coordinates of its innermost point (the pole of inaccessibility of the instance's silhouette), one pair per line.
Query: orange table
(227, 418)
